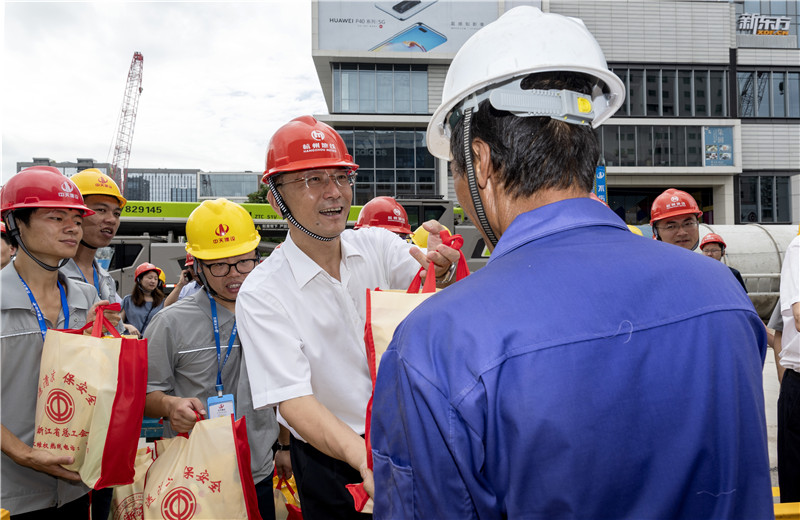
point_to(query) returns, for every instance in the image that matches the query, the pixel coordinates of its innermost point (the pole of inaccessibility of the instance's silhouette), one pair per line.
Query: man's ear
(271, 200)
(482, 161)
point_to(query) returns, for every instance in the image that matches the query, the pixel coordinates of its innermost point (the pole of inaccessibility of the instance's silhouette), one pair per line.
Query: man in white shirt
(302, 312)
(789, 397)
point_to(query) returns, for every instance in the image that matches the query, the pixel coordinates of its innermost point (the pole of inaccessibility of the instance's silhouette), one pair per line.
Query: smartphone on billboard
(417, 38)
(404, 9)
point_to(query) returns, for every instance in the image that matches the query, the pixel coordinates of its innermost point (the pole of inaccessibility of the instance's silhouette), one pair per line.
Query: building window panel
(424, 159)
(636, 92)
(419, 92)
(783, 211)
(701, 93)
(716, 91)
(366, 91)
(404, 149)
(778, 94)
(668, 78)
(661, 146)
(644, 146)
(384, 148)
(651, 92)
(385, 89)
(610, 135)
(685, 93)
(748, 199)
(747, 103)
(627, 145)
(364, 148)
(766, 185)
(402, 92)
(762, 95)
(677, 141)
(793, 94)
(349, 91)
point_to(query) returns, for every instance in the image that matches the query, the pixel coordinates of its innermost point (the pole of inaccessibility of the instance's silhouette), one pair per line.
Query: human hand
(283, 464)
(441, 255)
(130, 329)
(49, 463)
(369, 481)
(183, 413)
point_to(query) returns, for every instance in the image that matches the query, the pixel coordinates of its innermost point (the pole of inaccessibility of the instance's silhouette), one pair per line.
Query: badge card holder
(221, 406)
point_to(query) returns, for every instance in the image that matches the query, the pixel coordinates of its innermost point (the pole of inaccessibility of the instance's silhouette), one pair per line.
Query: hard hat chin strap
(473, 183)
(288, 214)
(84, 243)
(13, 230)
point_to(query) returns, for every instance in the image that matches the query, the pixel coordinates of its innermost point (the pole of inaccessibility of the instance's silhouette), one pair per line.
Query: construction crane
(127, 120)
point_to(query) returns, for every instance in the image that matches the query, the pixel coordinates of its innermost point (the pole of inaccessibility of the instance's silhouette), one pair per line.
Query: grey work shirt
(108, 289)
(182, 362)
(25, 489)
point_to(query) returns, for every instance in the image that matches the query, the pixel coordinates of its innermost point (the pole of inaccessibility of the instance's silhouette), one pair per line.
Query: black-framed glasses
(317, 180)
(674, 226)
(220, 269)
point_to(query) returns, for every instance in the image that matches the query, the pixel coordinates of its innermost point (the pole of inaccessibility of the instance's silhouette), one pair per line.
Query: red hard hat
(2, 227)
(673, 203)
(305, 144)
(384, 212)
(145, 267)
(41, 187)
(712, 238)
(189, 260)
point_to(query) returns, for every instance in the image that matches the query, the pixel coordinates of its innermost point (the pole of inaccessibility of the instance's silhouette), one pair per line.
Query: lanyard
(94, 275)
(39, 315)
(232, 339)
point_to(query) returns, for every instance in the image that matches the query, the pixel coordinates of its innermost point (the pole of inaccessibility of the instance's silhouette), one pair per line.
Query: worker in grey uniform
(43, 211)
(194, 351)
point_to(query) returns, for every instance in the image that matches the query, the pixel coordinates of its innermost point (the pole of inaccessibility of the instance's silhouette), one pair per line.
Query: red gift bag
(91, 400)
(385, 311)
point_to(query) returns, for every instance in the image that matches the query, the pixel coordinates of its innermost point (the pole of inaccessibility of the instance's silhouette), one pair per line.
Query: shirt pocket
(398, 495)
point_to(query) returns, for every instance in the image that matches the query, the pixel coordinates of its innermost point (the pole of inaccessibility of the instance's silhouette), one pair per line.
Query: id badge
(221, 406)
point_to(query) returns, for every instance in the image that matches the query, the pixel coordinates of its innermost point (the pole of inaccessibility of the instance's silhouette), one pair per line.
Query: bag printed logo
(178, 504)
(60, 407)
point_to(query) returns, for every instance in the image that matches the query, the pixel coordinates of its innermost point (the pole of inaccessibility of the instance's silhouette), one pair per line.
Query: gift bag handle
(101, 321)
(199, 418)
(462, 270)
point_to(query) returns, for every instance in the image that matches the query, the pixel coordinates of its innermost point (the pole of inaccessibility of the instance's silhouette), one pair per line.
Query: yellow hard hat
(420, 237)
(162, 278)
(94, 182)
(635, 230)
(219, 229)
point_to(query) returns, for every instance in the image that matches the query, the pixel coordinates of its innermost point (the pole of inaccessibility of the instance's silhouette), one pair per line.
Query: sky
(218, 80)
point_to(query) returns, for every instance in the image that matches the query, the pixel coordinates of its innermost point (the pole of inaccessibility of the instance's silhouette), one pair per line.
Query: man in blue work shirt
(584, 372)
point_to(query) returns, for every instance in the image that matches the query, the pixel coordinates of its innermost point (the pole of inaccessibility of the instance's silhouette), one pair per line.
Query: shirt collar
(555, 218)
(304, 268)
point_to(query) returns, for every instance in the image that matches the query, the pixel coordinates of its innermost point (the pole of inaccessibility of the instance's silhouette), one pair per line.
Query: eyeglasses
(220, 269)
(674, 226)
(318, 180)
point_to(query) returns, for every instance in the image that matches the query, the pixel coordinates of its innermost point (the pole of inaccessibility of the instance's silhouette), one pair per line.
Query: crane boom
(127, 120)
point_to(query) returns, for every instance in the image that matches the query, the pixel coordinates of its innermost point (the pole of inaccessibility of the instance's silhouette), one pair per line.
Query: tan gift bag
(126, 501)
(205, 476)
(91, 400)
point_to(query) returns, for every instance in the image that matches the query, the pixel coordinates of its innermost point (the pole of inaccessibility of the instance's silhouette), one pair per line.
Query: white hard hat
(521, 42)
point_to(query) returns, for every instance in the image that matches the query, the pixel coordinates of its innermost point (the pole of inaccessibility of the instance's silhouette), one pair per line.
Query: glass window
(763, 94)
(685, 92)
(636, 92)
(694, 152)
(782, 197)
(364, 148)
(778, 94)
(610, 136)
(716, 91)
(627, 145)
(624, 110)
(644, 145)
(384, 85)
(366, 91)
(651, 92)
(404, 149)
(677, 141)
(668, 92)
(349, 88)
(661, 146)
(337, 89)
(402, 91)
(384, 148)
(701, 93)
(748, 205)
(766, 185)
(424, 158)
(419, 91)
(747, 105)
(793, 94)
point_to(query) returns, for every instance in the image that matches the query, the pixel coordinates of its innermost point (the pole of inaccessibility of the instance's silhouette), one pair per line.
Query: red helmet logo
(674, 198)
(222, 230)
(317, 135)
(397, 212)
(66, 186)
(102, 180)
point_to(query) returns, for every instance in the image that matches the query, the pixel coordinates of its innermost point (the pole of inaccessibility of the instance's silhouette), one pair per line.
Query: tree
(260, 196)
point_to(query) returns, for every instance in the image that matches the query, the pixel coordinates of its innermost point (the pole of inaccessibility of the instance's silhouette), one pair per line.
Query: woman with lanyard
(43, 211)
(195, 365)
(146, 299)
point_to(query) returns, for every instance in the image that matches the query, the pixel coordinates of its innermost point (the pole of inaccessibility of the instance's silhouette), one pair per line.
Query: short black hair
(534, 153)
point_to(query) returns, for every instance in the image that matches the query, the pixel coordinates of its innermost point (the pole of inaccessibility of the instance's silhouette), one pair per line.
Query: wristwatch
(280, 447)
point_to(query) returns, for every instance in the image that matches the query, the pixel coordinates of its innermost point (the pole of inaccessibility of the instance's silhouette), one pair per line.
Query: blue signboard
(600, 183)
(718, 145)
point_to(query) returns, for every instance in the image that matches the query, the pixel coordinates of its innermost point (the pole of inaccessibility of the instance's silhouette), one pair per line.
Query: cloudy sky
(218, 80)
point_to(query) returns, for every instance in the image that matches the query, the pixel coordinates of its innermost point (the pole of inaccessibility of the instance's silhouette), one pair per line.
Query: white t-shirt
(302, 330)
(790, 294)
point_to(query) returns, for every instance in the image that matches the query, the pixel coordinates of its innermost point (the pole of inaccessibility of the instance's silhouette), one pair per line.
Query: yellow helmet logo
(584, 105)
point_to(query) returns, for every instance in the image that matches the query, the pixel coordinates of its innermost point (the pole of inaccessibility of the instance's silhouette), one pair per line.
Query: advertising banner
(718, 145)
(407, 26)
